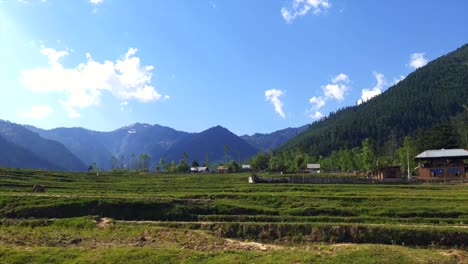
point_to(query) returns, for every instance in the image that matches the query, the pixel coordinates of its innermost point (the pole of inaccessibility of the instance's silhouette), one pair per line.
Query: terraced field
(138, 217)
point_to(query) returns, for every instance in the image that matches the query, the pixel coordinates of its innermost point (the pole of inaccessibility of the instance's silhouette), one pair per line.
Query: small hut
(222, 169)
(386, 172)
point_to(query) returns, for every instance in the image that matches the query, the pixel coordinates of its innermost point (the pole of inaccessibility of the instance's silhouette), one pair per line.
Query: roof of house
(246, 166)
(223, 167)
(202, 168)
(443, 153)
(313, 166)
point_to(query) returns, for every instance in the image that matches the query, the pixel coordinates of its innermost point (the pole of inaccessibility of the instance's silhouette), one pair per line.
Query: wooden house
(386, 172)
(443, 163)
(222, 169)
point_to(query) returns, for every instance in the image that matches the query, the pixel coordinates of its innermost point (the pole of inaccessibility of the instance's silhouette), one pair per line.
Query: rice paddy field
(221, 218)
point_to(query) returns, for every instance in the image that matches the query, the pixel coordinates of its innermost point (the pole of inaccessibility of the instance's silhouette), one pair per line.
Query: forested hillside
(55, 154)
(430, 96)
(14, 156)
(216, 144)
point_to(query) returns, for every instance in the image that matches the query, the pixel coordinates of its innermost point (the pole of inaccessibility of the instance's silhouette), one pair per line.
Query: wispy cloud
(417, 60)
(337, 88)
(302, 7)
(318, 101)
(334, 90)
(399, 79)
(273, 96)
(82, 86)
(317, 115)
(96, 2)
(368, 94)
(38, 112)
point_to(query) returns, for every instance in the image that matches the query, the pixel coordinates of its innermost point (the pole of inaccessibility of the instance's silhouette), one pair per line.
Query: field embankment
(287, 219)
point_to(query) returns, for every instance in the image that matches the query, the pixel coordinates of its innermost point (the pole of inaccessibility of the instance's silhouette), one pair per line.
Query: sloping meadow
(226, 205)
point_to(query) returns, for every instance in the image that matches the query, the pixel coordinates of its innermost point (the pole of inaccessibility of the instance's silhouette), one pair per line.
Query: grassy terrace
(222, 218)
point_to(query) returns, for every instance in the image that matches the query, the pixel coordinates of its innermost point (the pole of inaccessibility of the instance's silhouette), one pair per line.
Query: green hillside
(430, 95)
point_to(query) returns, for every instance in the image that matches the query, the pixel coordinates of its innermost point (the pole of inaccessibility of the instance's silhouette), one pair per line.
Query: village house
(386, 172)
(443, 163)
(199, 170)
(246, 167)
(222, 169)
(313, 168)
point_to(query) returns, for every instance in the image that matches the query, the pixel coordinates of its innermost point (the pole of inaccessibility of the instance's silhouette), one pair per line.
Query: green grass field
(160, 218)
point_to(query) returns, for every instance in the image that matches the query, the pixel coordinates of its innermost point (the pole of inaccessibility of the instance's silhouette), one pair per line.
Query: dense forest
(430, 95)
(429, 107)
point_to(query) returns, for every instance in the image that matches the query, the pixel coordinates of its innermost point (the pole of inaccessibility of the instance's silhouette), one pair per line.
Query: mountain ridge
(429, 95)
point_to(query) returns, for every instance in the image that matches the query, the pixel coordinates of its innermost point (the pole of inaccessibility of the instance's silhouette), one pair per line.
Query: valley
(221, 217)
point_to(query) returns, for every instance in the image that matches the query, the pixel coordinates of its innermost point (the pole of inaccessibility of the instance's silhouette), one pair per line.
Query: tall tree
(226, 152)
(115, 163)
(439, 136)
(162, 164)
(368, 155)
(406, 155)
(144, 162)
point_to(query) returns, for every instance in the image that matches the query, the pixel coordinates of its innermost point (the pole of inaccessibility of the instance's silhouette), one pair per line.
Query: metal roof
(313, 166)
(442, 153)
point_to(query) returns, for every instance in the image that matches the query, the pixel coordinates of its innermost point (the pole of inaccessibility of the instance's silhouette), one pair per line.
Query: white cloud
(334, 90)
(368, 94)
(125, 78)
(39, 112)
(417, 60)
(273, 96)
(96, 2)
(337, 88)
(317, 115)
(302, 7)
(318, 101)
(399, 79)
(341, 78)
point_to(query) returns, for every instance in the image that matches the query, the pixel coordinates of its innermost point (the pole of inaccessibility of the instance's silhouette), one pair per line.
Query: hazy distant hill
(160, 142)
(14, 156)
(274, 139)
(56, 155)
(87, 145)
(429, 95)
(210, 144)
(91, 146)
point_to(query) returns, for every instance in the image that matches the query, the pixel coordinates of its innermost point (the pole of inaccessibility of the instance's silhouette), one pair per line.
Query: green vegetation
(428, 105)
(207, 218)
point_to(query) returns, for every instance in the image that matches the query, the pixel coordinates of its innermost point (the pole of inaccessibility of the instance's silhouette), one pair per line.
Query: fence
(302, 179)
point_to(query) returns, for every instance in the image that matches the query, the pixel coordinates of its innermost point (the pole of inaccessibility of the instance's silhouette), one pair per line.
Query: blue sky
(250, 66)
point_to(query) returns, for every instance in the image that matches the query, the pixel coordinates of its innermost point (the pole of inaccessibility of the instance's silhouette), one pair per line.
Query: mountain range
(75, 149)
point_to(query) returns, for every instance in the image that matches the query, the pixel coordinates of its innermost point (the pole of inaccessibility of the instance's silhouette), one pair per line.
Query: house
(443, 163)
(386, 172)
(199, 170)
(313, 168)
(203, 170)
(222, 169)
(246, 167)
